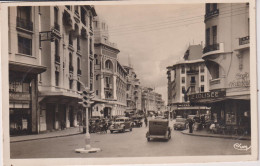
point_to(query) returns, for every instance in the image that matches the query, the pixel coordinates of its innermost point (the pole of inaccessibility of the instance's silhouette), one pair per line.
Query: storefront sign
(207, 95)
(183, 105)
(19, 96)
(242, 80)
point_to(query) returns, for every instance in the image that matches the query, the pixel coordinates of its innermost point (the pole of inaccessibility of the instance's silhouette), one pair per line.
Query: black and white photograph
(126, 80)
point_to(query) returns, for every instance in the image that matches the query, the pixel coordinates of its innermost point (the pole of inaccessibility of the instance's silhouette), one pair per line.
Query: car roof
(158, 120)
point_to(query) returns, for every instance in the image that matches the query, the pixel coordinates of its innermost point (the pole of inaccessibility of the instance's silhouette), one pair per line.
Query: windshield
(119, 120)
(180, 120)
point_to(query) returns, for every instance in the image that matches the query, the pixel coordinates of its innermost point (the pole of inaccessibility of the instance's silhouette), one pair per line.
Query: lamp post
(87, 97)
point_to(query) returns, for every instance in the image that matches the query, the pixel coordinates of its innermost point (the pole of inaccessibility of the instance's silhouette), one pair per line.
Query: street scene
(85, 82)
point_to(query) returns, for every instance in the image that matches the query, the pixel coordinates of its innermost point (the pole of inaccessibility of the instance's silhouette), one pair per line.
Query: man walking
(190, 125)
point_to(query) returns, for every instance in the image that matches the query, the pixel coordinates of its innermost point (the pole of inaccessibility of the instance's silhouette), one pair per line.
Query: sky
(152, 37)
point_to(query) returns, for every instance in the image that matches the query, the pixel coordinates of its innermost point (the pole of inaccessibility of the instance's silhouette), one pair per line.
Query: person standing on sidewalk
(190, 125)
(145, 121)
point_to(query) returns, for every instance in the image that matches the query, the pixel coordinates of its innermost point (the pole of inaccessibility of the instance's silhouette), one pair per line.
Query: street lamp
(87, 97)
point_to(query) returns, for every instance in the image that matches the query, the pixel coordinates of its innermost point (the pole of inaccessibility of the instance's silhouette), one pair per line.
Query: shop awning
(26, 68)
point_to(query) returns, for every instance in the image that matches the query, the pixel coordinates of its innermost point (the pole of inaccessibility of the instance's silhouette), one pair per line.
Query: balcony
(106, 42)
(79, 72)
(71, 69)
(190, 72)
(213, 49)
(193, 83)
(24, 24)
(218, 83)
(211, 14)
(57, 58)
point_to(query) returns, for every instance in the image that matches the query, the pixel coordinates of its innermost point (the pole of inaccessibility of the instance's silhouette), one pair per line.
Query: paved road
(129, 144)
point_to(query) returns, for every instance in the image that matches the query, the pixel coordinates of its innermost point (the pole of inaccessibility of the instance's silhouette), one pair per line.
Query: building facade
(110, 76)
(189, 76)
(152, 102)
(24, 67)
(68, 55)
(133, 92)
(227, 56)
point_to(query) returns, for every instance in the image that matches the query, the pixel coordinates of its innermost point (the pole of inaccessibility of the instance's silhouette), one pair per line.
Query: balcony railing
(192, 71)
(211, 14)
(71, 68)
(212, 47)
(244, 40)
(57, 58)
(192, 82)
(79, 72)
(24, 23)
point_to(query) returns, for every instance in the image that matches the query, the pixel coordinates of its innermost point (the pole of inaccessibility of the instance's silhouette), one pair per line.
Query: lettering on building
(242, 80)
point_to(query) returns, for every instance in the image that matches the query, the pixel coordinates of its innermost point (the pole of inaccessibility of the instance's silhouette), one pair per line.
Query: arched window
(109, 65)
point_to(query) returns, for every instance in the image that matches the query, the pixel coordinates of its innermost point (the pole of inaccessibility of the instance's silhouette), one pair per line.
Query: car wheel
(111, 131)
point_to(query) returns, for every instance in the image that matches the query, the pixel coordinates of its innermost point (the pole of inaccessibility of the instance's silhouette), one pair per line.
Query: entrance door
(106, 112)
(71, 116)
(50, 116)
(62, 113)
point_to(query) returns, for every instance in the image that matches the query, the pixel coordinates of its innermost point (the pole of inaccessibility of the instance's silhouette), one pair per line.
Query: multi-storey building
(227, 56)
(24, 67)
(152, 102)
(110, 76)
(190, 76)
(68, 56)
(133, 92)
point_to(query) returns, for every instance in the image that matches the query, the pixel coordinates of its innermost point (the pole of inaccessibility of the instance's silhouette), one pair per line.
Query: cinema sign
(207, 95)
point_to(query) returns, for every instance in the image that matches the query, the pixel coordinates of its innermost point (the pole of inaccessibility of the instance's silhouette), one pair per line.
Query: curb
(45, 137)
(216, 136)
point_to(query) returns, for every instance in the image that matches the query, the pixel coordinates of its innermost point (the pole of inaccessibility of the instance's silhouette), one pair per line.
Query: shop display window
(230, 118)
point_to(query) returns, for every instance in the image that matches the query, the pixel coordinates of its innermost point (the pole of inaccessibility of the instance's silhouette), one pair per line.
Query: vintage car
(121, 124)
(181, 123)
(159, 128)
(137, 121)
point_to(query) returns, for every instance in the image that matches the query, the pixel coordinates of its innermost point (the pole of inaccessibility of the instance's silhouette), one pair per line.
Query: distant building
(190, 76)
(133, 92)
(152, 102)
(24, 68)
(69, 59)
(110, 76)
(227, 56)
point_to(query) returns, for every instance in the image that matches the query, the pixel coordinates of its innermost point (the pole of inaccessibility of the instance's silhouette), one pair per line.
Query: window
(24, 45)
(96, 92)
(70, 63)
(207, 8)
(96, 24)
(192, 88)
(78, 63)
(24, 18)
(207, 36)
(183, 89)
(183, 70)
(128, 87)
(202, 69)
(108, 64)
(83, 15)
(70, 39)
(96, 77)
(202, 88)
(91, 68)
(90, 45)
(78, 43)
(107, 81)
(78, 86)
(192, 80)
(214, 6)
(57, 74)
(90, 22)
(68, 7)
(56, 16)
(202, 78)
(76, 8)
(183, 79)
(91, 86)
(56, 48)
(214, 33)
(71, 84)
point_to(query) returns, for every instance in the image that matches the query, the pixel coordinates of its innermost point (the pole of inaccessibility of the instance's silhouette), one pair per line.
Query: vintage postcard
(129, 82)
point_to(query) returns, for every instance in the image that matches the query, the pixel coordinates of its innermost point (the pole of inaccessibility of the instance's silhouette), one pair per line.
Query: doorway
(50, 116)
(71, 116)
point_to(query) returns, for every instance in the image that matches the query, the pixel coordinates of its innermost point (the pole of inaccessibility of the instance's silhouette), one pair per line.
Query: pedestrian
(145, 121)
(190, 125)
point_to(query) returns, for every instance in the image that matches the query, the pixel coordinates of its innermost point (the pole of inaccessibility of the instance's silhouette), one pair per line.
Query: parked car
(121, 124)
(181, 123)
(158, 128)
(137, 121)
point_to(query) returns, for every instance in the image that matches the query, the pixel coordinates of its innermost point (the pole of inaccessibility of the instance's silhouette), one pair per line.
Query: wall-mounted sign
(183, 105)
(19, 96)
(242, 80)
(207, 95)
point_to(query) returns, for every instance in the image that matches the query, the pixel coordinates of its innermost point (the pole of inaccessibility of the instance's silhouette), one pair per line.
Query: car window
(180, 120)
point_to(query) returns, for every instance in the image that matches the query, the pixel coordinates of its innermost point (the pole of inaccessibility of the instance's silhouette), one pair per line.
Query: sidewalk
(204, 133)
(60, 133)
